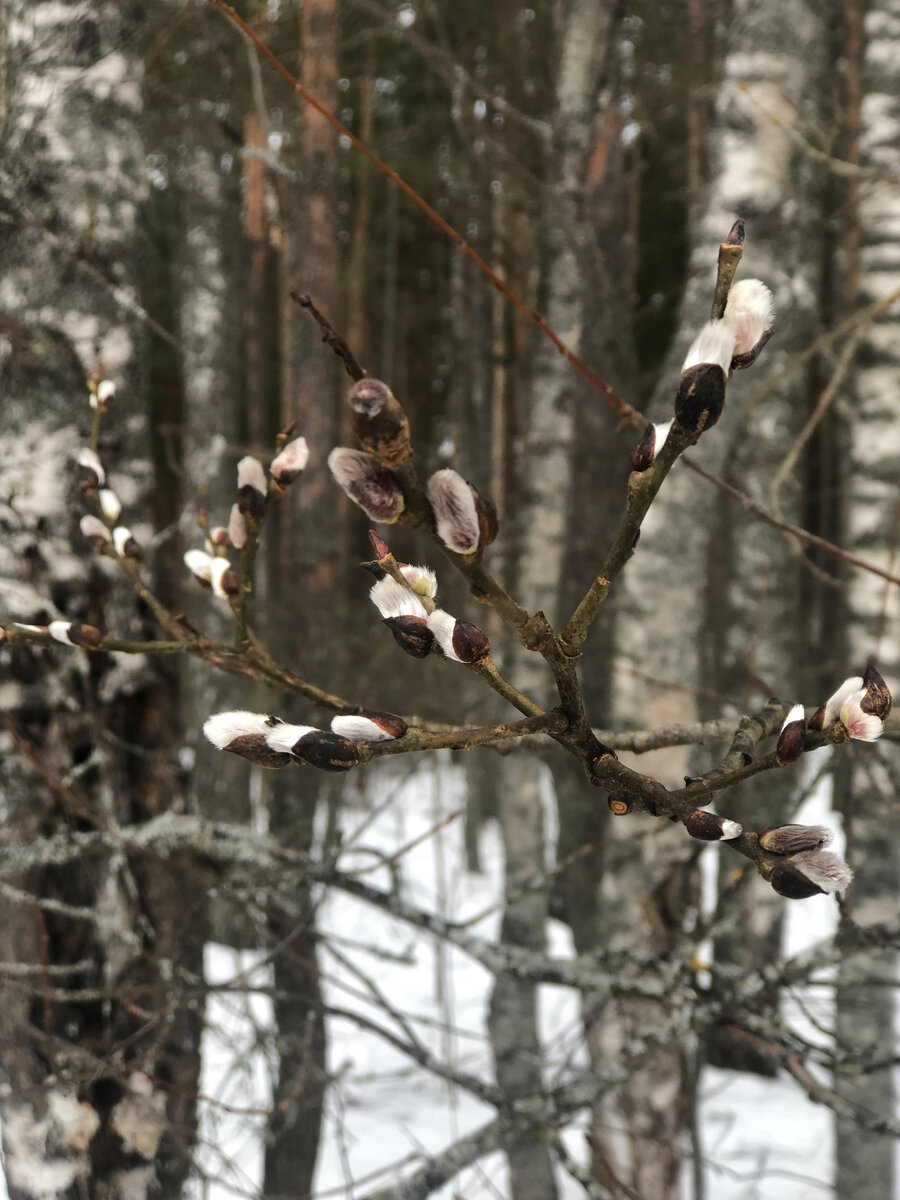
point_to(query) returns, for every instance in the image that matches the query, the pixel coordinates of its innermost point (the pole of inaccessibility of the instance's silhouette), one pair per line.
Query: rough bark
(100, 1055)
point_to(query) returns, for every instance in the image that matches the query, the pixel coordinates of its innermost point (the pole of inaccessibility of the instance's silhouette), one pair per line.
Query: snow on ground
(760, 1138)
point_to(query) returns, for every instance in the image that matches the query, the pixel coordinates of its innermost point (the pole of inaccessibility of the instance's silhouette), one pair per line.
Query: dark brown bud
(792, 839)
(412, 635)
(735, 234)
(710, 827)
(125, 545)
(392, 725)
(230, 583)
(379, 545)
(644, 452)
(470, 644)
(488, 520)
(379, 421)
(701, 397)
(788, 881)
(791, 742)
(374, 568)
(327, 751)
(80, 634)
(251, 504)
(458, 640)
(877, 701)
(817, 721)
(253, 746)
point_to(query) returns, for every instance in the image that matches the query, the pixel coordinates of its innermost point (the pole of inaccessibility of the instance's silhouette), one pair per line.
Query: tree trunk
(866, 785)
(546, 469)
(100, 1050)
(303, 584)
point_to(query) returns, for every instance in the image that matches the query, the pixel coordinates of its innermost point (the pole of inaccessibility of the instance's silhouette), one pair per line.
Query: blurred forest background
(161, 192)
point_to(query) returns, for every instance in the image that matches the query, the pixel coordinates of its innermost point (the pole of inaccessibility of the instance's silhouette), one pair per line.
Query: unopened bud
(379, 545)
(327, 751)
(91, 473)
(792, 839)
(710, 827)
(455, 513)
(459, 640)
(488, 519)
(220, 537)
(701, 397)
(369, 727)
(124, 543)
(96, 533)
(368, 484)
(379, 421)
(792, 739)
(75, 633)
(412, 635)
(643, 455)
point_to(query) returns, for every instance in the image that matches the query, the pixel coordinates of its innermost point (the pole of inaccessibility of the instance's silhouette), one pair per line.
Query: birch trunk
(100, 1081)
(866, 782)
(547, 466)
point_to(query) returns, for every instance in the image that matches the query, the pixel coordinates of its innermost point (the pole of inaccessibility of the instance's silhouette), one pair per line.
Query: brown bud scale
(706, 826)
(469, 642)
(793, 884)
(642, 452)
(791, 742)
(701, 397)
(412, 635)
(878, 700)
(327, 751)
(80, 634)
(253, 746)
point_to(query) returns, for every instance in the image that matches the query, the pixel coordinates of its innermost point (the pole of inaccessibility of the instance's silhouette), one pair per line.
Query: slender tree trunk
(302, 590)
(547, 464)
(866, 785)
